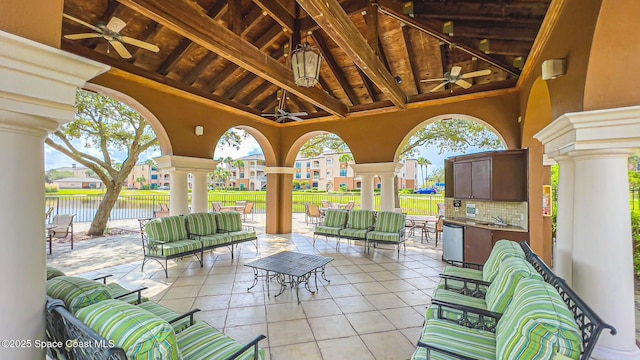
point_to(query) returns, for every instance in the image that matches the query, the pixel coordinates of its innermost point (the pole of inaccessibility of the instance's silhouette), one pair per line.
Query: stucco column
(279, 199)
(599, 142)
(199, 192)
(386, 191)
(179, 167)
(386, 171)
(366, 191)
(563, 256)
(37, 94)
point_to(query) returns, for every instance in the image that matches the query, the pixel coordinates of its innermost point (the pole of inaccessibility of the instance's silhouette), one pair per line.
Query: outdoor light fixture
(306, 65)
(553, 69)
(199, 130)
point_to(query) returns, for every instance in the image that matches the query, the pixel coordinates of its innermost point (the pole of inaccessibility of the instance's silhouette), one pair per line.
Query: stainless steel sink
(497, 225)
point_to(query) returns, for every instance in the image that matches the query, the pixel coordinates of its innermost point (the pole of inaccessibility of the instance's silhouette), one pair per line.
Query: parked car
(426, 191)
(163, 188)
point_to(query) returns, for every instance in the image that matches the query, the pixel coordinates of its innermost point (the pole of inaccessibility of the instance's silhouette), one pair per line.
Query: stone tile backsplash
(514, 213)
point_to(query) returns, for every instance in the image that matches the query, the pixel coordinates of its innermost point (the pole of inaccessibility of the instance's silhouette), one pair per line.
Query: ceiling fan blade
(268, 115)
(463, 83)
(476, 73)
(295, 118)
(115, 24)
(302, 113)
(440, 86)
(95, 28)
(139, 43)
(82, 36)
(120, 49)
(427, 80)
(455, 71)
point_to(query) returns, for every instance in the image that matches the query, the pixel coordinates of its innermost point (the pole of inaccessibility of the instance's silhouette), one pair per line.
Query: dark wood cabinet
(477, 244)
(448, 178)
(497, 176)
(509, 235)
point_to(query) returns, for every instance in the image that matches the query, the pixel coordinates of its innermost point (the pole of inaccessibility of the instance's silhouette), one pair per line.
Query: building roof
(73, 179)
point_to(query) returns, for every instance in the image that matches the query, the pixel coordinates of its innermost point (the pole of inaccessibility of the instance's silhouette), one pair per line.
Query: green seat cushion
(335, 218)
(229, 221)
(536, 324)
(384, 236)
(361, 219)
(390, 222)
(201, 223)
(501, 249)
(117, 290)
(166, 314)
(76, 292)
(471, 274)
(174, 247)
(327, 230)
(53, 272)
(170, 228)
(140, 333)
(354, 233)
(204, 342)
(454, 297)
(476, 344)
(501, 291)
(214, 240)
(242, 235)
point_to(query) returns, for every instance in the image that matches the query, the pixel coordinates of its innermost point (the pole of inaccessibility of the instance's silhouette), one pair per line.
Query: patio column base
(37, 94)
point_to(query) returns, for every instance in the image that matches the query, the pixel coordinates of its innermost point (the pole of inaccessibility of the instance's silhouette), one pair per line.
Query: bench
(113, 329)
(216, 230)
(545, 316)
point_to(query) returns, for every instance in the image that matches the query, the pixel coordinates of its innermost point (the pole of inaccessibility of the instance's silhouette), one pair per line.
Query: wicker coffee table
(290, 268)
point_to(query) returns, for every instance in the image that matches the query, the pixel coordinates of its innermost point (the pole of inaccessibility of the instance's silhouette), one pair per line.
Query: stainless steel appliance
(453, 243)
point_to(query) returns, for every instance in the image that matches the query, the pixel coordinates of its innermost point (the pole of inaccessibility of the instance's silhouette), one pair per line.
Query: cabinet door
(509, 235)
(477, 244)
(481, 179)
(462, 180)
(448, 178)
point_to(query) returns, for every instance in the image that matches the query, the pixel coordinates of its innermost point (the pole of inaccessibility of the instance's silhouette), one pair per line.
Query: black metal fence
(143, 206)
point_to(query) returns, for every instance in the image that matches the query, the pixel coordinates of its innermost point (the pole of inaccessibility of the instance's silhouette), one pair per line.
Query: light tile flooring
(373, 307)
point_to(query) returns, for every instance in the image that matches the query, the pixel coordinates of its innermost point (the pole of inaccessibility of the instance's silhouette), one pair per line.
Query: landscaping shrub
(50, 188)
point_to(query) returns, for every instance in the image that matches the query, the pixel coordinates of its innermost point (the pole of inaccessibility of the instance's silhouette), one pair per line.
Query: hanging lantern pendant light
(305, 63)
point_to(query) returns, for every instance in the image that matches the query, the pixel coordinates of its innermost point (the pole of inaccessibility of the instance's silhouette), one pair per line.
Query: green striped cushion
(466, 273)
(175, 247)
(213, 240)
(77, 292)
(476, 344)
(202, 341)
(536, 325)
(500, 292)
(170, 228)
(501, 249)
(117, 290)
(53, 272)
(453, 297)
(327, 230)
(242, 235)
(166, 314)
(390, 221)
(383, 236)
(335, 218)
(201, 223)
(354, 233)
(231, 221)
(141, 334)
(361, 219)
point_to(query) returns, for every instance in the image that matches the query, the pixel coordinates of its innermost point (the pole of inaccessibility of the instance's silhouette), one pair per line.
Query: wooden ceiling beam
(334, 67)
(195, 73)
(233, 91)
(371, 19)
(501, 47)
(254, 93)
(394, 10)
(516, 11)
(278, 13)
(462, 18)
(351, 7)
(483, 29)
(187, 21)
(337, 24)
(415, 71)
(368, 86)
(268, 104)
(80, 50)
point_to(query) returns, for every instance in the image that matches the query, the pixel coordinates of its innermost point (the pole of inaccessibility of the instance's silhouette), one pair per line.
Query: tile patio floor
(373, 308)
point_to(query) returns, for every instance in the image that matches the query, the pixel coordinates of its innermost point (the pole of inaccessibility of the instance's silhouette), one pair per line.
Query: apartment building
(250, 176)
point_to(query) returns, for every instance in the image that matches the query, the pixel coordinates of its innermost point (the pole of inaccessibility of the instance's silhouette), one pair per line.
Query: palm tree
(421, 161)
(426, 170)
(141, 180)
(239, 164)
(345, 158)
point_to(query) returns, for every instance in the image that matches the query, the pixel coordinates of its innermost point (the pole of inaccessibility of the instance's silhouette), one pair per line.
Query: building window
(297, 175)
(298, 164)
(154, 177)
(308, 175)
(241, 175)
(329, 161)
(343, 172)
(308, 164)
(379, 185)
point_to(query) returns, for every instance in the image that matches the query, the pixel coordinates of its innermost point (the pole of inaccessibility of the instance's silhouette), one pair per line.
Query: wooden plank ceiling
(236, 52)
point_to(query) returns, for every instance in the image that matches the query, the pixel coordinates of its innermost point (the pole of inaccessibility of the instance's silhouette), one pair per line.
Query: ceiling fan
(454, 77)
(111, 33)
(281, 114)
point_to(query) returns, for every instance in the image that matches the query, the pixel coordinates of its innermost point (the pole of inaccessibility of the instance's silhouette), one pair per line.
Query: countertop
(483, 224)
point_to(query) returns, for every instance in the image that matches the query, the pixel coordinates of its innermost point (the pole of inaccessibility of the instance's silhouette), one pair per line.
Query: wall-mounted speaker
(552, 69)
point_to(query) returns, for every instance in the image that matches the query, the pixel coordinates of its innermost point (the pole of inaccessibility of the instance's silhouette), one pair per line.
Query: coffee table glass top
(290, 263)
